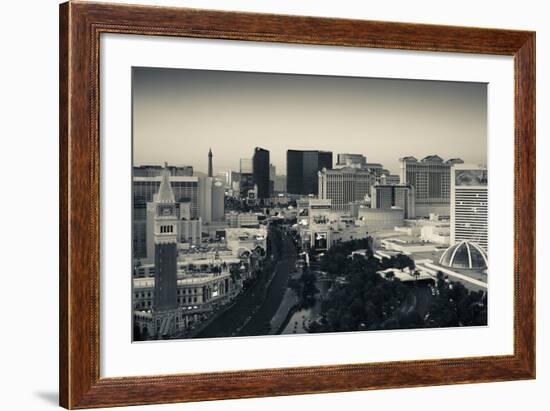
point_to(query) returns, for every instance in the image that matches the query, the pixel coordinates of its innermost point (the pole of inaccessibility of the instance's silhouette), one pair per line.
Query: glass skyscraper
(260, 171)
(302, 167)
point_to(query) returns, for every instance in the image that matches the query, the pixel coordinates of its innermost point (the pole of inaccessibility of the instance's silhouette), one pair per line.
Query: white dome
(464, 255)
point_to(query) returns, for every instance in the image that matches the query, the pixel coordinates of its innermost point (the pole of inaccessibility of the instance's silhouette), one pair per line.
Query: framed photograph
(259, 205)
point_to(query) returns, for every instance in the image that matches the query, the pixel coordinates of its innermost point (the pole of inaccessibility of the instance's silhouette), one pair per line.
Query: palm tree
(416, 274)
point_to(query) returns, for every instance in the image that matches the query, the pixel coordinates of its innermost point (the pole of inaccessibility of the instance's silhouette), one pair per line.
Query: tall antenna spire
(210, 172)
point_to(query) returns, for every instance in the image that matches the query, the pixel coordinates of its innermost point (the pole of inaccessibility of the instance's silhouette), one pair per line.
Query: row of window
(146, 304)
(189, 291)
(137, 295)
(166, 229)
(180, 292)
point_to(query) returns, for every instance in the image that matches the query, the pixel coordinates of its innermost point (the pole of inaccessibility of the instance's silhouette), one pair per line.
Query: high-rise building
(218, 199)
(165, 303)
(302, 168)
(246, 177)
(386, 196)
(260, 171)
(205, 204)
(212, 199)
(280, 184)
(431, 179)
(344, 186)
(351, 160)
(210, 167)
(272, 178)
(185, 190)
(469, 204)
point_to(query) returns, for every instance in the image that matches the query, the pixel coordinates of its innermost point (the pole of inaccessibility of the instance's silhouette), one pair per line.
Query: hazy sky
(179, 114)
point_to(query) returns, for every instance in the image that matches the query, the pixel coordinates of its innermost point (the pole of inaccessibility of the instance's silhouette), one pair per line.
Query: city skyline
(220, 111)
(379, 224)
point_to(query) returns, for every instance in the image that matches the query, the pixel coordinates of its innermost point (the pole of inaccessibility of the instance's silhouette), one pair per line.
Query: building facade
(381, 219)
(320, 227)
(260, 172)
(242, 220)
(280, 184)
(272, 178)
(469, 205)
(386, 196)
(185, 189)
(246, 182)
(344, 186)
(302, 168)
(431, 179)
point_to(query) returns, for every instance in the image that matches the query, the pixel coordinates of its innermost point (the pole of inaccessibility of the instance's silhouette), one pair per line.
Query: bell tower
(165, 304)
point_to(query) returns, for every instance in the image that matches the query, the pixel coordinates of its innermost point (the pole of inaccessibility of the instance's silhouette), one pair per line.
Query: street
(254, 308)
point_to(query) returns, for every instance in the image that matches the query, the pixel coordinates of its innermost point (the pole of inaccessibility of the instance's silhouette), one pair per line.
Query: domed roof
(464, 255)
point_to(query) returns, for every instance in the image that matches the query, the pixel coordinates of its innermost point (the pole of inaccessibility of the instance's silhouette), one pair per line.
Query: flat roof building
(302, 168)
(469, 205)
(344, 186)
(260, 172)
(431, 179)
(386, 196)
(381, 219)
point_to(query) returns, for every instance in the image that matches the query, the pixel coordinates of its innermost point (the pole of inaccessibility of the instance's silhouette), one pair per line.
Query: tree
(454, 305)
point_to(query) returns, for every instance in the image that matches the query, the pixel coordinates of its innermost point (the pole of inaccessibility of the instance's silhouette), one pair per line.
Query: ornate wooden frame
(81, 24)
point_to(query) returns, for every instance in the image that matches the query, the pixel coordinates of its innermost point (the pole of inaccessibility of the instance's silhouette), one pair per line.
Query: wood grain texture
(80, 27)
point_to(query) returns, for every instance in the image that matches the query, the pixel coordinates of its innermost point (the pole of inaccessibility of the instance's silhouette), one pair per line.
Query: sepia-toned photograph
(280, 204)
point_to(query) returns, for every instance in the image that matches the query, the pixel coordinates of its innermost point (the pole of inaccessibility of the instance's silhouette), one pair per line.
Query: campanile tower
(165, 234)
